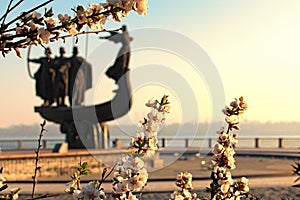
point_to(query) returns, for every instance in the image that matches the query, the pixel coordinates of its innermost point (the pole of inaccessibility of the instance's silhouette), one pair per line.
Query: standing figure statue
(80, 78)
(61, 81)
(120, 66)
(45, 77)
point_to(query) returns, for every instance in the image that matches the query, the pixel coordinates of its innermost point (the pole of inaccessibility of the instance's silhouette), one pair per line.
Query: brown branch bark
(37, 152)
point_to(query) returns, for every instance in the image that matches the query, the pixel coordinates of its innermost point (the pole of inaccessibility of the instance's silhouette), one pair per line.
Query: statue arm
(35, 61)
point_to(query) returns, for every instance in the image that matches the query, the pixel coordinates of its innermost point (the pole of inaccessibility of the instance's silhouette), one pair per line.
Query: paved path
(263, 171)
(54, 188)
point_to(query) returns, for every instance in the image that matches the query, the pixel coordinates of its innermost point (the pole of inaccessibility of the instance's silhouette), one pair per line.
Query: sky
(219, 50)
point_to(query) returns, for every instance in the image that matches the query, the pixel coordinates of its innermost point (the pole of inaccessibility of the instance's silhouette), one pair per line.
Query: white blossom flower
(244, 185)
(128, 196)
(14, 193)
(153, 142)
(129, 175)
(225, 110)
(152, 126)
(234, 104)
(117, 16)
(34, 15)
(155, 115)
(230, 162)
(21, 29)
(71, 186)
(64, 18)
(243, 105)
(32, 26)
(232, 119)
(121, 188)
(222, 185)
(2, 179)
(89, 191)
(50, 21)
(151, 103)
(166, 109)
(183, 195)
(98, 24)
(223, 138)
(225, 187)
(135, 184)
(81, 16)
(43, 35)
(94, 8)
(141, 7)
(184, 180)
(127, 4)
(217, 149)
(72, 29)
(133, 163)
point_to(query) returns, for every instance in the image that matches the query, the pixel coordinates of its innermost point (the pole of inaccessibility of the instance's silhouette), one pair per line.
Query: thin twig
(22, 42)
(37, 152)
(141, 193)
(109, 173)
(6, 13)
(85, 32)
(9, 10)
(27, 12)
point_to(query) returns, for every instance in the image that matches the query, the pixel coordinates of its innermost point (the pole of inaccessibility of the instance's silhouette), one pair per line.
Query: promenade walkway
(264, 168)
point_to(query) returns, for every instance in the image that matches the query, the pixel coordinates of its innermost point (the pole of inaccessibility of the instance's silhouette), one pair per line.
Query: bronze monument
(85, 126)
(45, 77)
(61, 81)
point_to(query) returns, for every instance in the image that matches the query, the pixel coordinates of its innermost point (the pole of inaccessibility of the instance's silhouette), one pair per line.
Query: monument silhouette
(85, 126)
(45, 77)
(61, 81)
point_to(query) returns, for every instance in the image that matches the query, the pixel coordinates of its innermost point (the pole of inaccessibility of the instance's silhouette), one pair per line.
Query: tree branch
(27, 12)
(10, 9)
(37, 152)
(7, 11)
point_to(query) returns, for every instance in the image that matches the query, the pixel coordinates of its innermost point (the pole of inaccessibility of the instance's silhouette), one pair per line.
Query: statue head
(75, 51)
(62, 50)
(48, 52)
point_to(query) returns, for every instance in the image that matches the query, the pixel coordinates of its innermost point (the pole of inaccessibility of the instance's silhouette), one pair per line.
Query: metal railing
(28, 144)
(244, 142)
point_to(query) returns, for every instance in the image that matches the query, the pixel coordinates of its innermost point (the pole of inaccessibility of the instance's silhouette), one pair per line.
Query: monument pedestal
(82, 134)
(85, 134)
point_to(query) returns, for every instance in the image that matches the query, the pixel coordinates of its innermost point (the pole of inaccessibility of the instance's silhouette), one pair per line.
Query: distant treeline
(248, 129)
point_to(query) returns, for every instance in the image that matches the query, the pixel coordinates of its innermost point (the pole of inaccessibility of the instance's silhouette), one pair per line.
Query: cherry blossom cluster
(234, 112)
(184, 181)
(223, 186)
(146, 140)
(14, 192)
(224, 150)
(36, 28)
(90, 191)
(129, 176)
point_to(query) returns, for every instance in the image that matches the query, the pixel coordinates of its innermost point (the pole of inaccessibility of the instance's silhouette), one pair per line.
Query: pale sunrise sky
(250, 48)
